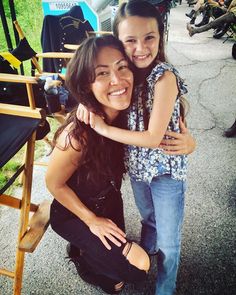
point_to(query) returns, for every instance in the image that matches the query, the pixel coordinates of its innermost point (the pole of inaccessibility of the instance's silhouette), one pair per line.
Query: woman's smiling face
(113, 81)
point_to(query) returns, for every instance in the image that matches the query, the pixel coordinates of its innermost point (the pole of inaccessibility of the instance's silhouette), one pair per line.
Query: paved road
(208, 261)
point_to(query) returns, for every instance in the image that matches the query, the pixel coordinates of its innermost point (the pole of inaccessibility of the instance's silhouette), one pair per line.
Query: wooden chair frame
(59, 116)
(30, 230)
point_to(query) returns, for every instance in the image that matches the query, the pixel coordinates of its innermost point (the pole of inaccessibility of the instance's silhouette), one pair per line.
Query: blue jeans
(161, 205)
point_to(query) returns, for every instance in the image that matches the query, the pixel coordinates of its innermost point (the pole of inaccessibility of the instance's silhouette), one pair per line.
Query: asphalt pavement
(208, 257)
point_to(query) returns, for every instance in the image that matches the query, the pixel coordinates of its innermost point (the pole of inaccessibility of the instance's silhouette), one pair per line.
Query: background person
(227, 18)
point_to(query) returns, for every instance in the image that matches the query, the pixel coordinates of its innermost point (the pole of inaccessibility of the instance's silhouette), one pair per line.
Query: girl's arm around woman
(165, 94)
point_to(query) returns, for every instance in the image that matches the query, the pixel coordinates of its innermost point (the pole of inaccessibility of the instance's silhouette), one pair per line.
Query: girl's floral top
(144, 163)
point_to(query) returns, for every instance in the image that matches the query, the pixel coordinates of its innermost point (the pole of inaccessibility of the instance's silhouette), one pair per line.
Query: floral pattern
(144, 163)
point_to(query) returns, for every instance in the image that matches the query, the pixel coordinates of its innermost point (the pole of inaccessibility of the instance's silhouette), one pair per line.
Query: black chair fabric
(15, 131)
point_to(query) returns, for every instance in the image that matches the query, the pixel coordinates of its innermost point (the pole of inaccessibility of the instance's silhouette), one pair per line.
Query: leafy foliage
(29, 14)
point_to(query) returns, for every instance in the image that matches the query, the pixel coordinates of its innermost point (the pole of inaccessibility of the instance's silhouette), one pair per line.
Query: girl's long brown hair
(146, 10)
(141, 9)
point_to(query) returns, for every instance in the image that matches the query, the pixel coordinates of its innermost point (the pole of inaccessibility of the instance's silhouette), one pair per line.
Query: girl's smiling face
(141, 38)
(113, 81)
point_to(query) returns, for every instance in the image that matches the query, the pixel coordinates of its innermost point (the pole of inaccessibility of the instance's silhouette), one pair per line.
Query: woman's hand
(104, 229)
(181, 143)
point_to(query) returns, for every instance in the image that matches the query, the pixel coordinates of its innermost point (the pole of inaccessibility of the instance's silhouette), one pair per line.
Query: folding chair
(24, 52)
(18, 126)
(231, 32)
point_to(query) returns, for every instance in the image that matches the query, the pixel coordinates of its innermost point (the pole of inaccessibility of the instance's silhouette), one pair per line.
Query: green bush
(29, 15)
(3, 179)
(7, 171)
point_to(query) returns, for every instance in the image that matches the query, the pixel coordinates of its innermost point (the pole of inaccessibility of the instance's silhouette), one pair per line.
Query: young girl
(157, 179)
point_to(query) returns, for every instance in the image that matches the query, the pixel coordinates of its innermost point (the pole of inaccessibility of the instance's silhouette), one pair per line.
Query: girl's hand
(84, 115)
(181, 143)
(99, 125)
(104, 229)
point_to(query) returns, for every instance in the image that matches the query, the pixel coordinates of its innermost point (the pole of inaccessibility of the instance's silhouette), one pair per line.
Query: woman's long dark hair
(101, 157)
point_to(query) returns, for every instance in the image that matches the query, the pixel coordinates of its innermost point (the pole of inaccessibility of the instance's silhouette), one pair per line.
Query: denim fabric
(161, 205)
(144, 202)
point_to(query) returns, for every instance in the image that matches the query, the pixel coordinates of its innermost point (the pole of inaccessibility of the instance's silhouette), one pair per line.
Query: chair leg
(48, 142)
(21, 177)
(24, 213)
(19, 267)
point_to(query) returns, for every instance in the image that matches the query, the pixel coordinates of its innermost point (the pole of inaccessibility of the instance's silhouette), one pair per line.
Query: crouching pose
(85, 170)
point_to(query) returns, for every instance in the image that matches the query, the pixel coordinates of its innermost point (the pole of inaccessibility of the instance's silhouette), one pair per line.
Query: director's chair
(18, 127)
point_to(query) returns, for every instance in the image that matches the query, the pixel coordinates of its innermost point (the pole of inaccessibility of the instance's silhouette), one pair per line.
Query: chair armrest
(57, 82)
(55, 55)
(90, 33)
(100, 32)
(18, 79)
(71, 46)
(23, 111)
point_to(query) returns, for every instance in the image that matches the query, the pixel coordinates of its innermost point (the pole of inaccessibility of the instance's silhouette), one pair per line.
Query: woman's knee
(137, 256)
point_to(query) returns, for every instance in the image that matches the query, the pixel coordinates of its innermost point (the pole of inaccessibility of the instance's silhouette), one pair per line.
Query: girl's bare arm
(164, 99)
